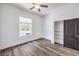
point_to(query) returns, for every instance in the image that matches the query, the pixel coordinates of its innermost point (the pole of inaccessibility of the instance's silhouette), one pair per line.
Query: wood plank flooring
(40, 47)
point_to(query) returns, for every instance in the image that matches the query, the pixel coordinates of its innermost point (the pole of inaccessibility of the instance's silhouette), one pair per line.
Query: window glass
(25, 26)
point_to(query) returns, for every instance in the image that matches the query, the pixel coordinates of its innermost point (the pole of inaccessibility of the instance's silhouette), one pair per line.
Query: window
(25, 26)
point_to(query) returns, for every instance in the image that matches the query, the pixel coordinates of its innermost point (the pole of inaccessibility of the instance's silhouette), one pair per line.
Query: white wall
(10, 16)
(0, 23)
(66, 12)
(58, 31)
(62, 13)
(48, 25)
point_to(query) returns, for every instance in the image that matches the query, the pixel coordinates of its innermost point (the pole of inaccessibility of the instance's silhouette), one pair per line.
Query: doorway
(59, 32)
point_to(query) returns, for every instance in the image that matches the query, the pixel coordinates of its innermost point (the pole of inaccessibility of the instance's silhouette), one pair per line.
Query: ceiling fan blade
(32, 8)
(39, 10)
(44, 5)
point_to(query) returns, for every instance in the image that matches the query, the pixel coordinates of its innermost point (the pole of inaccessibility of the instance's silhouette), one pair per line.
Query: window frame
(30, 31)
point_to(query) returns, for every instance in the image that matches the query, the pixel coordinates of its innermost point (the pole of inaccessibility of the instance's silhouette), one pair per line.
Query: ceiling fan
(38, 6)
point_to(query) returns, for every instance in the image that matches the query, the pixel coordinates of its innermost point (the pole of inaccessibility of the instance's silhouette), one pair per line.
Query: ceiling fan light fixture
(37, 6)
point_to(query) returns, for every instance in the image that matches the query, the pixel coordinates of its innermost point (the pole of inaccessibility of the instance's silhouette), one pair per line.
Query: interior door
(77, 34)
(69, 34)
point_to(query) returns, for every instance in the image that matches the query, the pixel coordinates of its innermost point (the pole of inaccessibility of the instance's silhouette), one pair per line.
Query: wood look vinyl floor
(40, 47)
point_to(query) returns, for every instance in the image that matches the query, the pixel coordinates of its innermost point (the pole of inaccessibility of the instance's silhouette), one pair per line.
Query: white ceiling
(44, 11)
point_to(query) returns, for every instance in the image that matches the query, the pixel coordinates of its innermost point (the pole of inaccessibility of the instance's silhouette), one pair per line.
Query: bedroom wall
(65, 12)
(10, 17)
(0, 23)
(48, 28)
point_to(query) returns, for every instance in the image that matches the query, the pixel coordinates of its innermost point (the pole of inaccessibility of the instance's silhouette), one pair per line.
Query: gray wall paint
(66, 12)
(10, 17)
(48, 28)
(0, 24)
